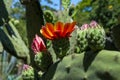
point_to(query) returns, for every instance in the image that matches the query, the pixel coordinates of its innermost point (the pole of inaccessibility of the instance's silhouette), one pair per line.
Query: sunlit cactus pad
(104, 65)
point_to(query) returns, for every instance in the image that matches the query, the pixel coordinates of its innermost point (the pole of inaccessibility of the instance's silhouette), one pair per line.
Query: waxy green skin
(82, 42)
(96, 38)
(28, 74)
(49, 16)
(103, 65)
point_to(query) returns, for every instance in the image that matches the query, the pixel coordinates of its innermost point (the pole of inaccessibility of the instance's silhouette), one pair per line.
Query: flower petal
(59, 27)
(65, 29)
(59, 30)
(50, 29)
(71, 27)
(42, 46)
(40, 43)
(45, 33)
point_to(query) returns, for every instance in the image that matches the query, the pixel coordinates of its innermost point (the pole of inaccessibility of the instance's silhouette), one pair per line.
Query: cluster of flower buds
(93, 24)
(90, 35)
(95, 35)
(27, 72)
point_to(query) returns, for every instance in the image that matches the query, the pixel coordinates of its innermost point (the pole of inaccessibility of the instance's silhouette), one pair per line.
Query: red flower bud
(38, 44)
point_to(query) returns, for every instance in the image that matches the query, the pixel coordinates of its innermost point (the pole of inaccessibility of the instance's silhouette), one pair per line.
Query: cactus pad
(49, 17)
(103, 65)
(65, 3)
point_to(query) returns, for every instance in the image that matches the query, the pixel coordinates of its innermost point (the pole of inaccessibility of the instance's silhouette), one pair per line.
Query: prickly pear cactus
(95, 64)
(71, 10)
(9, 36)
(86, 66)
(64, 15)
(96, 36)
(65, 3)
(82, 42)
(96, 39)
(15, 40)
(49, 16)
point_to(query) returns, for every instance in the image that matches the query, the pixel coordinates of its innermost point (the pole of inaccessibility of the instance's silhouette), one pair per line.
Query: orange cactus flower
(57, 31)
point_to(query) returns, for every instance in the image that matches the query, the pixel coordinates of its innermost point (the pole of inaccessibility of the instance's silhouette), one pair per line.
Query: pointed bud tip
(84, 27)
(38, 44)
(93, 24)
